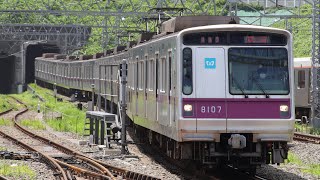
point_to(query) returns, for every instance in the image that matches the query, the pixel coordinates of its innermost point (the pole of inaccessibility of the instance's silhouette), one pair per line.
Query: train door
(210, 91)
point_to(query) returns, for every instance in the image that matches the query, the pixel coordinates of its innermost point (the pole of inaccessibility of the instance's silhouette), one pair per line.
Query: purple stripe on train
(252, 108)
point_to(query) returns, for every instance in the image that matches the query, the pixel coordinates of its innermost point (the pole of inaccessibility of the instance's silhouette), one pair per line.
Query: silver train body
(302, 76)
(216, 93)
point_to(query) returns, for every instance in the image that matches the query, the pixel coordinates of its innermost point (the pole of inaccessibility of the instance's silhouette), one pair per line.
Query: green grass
(315, 131)
(4, 104)
(307, 129)
(3, 148)
(72, 118)
(292, 158)
(5, 122)
(302, 128)
(33, 124)
(17, 171)
(307, 168)
(313, 169)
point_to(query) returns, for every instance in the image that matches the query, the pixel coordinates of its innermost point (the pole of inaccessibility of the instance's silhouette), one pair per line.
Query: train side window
(137, 74)
(141, 75)
(157, 71)
(187, 86)
(163, 74)
(128, 75)
(301, 79)
(170, 65)
(146, 77)
(132, 76)
(151, 74)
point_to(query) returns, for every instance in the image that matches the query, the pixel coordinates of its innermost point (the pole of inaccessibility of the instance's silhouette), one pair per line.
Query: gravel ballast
(146, 164)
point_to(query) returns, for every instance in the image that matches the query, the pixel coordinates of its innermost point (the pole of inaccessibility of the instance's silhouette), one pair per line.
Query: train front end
(237, 94)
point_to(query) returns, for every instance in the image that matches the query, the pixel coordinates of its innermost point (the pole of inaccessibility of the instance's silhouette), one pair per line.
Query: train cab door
(210, 89)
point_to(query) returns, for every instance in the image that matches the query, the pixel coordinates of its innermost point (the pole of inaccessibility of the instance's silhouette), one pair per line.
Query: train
(302, 76)
(205, 88)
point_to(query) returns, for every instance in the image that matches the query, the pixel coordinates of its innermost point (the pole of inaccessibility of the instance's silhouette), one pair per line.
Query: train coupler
(237, 141)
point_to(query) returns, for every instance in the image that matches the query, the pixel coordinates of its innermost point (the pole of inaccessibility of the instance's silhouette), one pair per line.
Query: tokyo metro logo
(209, 63)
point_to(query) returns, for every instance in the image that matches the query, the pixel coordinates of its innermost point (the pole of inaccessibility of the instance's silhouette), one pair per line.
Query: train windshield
(258, 71)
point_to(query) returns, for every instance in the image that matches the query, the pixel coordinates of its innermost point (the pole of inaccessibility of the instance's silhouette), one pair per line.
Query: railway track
(230, 173)
(59, 172)
(6, 111)
(105, 171)
(190, 169)
(306, 138)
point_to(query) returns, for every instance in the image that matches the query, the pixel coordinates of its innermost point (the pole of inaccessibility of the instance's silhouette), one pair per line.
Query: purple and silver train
(206, 88)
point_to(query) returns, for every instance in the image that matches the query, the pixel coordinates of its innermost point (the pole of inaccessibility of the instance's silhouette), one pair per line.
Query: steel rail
(3, 178)
(104, 167)
(238, 173)
(130, 175)
(82, 171)
(101, 168)
(56, 145)
(306, 137)
(50, 161)
(55, 163)
(5, 112)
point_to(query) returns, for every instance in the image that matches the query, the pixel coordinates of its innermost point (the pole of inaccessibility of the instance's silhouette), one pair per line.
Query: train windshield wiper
(238, 86)
(260, 87)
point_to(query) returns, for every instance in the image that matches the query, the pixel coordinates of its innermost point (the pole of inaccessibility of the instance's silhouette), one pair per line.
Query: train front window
(258, 71)
(187, 87)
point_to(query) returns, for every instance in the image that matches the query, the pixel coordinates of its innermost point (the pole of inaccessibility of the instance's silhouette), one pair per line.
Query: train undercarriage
(219, 154)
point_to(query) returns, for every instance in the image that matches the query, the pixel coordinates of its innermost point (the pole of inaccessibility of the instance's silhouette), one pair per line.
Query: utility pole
(315, 72)
(123, 105)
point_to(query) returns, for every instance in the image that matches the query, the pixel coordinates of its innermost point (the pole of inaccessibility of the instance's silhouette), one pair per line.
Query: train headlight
(284, 108)
(187, 107)
(188, 110)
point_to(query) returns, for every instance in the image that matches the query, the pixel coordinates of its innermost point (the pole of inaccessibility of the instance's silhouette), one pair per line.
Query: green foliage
(302, 34)
(98, 38)
(5, 122)
(17, 171)
(308, 168)
(292, 158)
(313, 169)
(315, 131)
(72, 118)
(4, 103)
(302, 128)
(33, 124)
(307, 129)
(97, 41)
(250, 8)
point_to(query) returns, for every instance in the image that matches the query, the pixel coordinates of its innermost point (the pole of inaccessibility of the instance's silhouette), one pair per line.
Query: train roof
(183, 22)
(235, 27)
